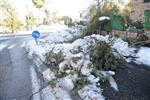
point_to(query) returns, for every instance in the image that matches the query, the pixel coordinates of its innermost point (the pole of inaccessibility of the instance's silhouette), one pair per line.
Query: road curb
(40, 67)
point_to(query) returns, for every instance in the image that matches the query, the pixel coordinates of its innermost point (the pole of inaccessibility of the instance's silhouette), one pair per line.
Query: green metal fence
(146, 0)
(106, 26)
(117, 23)
(147, 19)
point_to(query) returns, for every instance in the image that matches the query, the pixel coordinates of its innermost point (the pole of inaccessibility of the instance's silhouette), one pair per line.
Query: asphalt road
(17, 79)
(133, 83)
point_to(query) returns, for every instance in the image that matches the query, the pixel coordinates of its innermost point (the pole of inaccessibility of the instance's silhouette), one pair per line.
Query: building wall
(137, 10)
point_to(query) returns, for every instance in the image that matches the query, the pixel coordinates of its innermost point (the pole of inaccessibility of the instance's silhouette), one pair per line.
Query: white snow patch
(113, 83)
(66, 83)
(111, 80)
(48, 94)
(122, 47)
(104, 18)
(85, 71)
(23, 44)
(35, 84)
(91, 92)
(59, 36)
(111, 72)
(143, 56)
(48, 75)
(93, 79)
(2, 46)
(61, 94)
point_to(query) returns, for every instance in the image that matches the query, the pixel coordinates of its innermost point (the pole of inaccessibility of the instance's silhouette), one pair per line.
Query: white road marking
(2, 46)
(11, 46)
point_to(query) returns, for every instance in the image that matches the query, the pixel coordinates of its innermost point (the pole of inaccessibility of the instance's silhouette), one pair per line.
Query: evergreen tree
(38, 3)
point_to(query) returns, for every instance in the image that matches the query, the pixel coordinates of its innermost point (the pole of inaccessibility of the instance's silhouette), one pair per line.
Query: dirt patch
(133, 82)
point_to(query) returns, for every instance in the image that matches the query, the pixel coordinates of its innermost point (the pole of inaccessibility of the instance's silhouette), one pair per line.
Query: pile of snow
(59, 36)
(143, 56)
(91, 92)
(104, 18)
(76, 58)
(123, 49)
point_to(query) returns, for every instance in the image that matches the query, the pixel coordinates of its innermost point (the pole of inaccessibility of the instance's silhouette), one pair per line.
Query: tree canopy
(38, 3)
(10, 19)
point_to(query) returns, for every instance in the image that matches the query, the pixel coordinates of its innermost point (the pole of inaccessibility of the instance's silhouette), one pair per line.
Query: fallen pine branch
(140, 43)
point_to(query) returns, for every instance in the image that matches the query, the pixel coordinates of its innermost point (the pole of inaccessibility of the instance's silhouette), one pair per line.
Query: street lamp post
(27, 17)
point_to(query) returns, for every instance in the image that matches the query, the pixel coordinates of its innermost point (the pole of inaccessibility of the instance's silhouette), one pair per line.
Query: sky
(64, 7)
(70, 8)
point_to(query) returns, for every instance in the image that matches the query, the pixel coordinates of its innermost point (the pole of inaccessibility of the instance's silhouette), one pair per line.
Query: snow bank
(91, 92)
(77, 58)
(122, 47)
(143, 56)
(59, 36)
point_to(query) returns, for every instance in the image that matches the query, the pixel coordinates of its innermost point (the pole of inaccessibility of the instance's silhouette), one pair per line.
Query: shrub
(53, 59)
(67, 20)
(102, 57)
(94, 24)
(81, 82)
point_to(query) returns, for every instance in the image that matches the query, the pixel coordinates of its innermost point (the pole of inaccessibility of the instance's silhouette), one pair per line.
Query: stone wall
(138, 7)
(133, 35)
(124, 34)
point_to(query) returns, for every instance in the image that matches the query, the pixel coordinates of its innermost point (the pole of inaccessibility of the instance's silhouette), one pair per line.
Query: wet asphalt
(15, 81)
(133, 83)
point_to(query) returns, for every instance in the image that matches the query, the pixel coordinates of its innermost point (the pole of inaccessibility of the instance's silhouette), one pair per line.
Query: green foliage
(127, 10)
(81, 82)
(53, 59)
(94, 24)
(102, 57)
(55, 17)
(67, 20)
(38, 3)
(13, 23)
(11, 20)
(30, 20)
(107, 8)
(75, 38)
